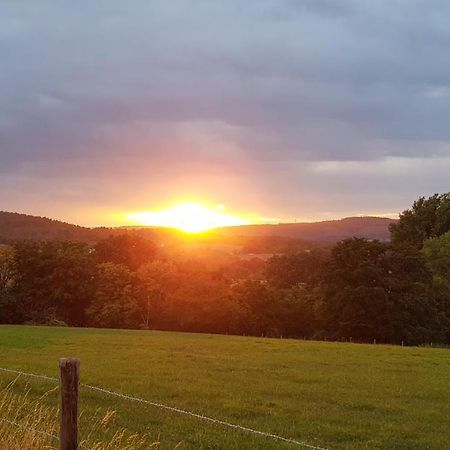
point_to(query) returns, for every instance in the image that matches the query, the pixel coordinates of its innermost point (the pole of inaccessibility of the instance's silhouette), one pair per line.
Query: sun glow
(189, 217)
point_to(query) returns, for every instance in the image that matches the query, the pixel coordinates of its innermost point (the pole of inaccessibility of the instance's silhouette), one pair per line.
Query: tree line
(360, 290)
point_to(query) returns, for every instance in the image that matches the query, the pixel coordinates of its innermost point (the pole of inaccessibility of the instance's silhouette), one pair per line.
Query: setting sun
(189, 217)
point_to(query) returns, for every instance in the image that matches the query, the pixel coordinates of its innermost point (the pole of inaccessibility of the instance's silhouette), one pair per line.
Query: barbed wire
(175, 410)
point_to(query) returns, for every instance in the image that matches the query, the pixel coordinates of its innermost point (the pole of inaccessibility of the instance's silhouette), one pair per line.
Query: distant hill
(327, 231)
(14, 226)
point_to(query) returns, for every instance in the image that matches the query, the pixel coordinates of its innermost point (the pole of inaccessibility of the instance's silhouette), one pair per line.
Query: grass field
(334, 395)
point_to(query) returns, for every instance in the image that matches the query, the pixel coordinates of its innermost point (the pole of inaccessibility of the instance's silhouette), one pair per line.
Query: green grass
(335, 395)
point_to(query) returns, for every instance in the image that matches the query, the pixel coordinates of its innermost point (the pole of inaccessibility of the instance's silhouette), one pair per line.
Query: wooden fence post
(69, 371)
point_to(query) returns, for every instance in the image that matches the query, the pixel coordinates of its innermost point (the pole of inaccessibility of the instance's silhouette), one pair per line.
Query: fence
(69, 383)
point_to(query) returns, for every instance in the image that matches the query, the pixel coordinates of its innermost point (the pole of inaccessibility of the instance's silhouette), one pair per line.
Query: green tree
(413, 314)
(270, 311)
(130, 250)
(7, 268)
(156, 281)
(260, 312)
(377, 291)
(437, 255)
(53, 280)
(285, 271)
(199, 300)
(427, 218)
(115, 302)
(355, 304)
(300, 311)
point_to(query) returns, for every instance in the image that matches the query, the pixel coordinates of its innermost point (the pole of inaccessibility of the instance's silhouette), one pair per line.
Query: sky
(284, 109)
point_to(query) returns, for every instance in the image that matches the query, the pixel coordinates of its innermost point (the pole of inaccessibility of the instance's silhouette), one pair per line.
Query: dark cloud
(224, 84)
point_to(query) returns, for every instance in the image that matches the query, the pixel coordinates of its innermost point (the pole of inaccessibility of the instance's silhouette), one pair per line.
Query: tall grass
(28, 424)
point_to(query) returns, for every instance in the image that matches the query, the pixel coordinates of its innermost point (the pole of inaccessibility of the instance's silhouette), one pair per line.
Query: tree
(377, 291)
(270, 311)
(199, 300)
(53, 280)
(285, 271)
(355, 304)
(7, 267)
(413, 314)
(115, 303)
(300, 308)
(427, 218)
(437, 256)
(156, 280)
(130, 250)
(437, 253)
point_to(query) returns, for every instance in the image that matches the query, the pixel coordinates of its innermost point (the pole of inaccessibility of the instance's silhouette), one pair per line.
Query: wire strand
(33, 430)
(175, 410)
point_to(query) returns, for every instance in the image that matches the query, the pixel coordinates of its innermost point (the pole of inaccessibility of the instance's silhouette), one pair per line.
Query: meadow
(332, 395)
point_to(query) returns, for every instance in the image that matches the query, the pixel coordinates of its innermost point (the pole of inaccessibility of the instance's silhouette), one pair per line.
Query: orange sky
(280, 111)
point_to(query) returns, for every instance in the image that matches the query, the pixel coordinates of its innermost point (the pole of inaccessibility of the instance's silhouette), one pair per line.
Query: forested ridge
(356, 289)
(15, 226)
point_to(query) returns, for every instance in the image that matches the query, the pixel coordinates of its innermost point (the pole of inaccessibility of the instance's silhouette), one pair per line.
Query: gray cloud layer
(223, 84)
